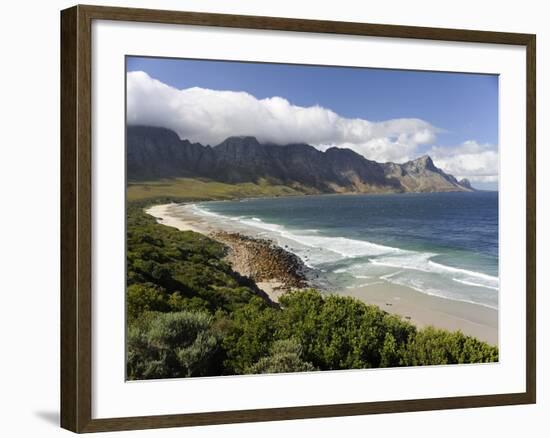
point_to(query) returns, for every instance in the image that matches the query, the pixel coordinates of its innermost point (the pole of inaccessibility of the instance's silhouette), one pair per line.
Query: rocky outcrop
(421, 175)
(262, 260)
(156, 153)
(465, 182)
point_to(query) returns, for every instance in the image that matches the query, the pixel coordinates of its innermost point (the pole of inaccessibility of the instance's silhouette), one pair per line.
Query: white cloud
(477, 162)
(210, 116)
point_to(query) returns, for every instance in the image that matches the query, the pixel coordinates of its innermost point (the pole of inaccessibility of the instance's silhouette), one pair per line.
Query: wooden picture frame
(76, 217)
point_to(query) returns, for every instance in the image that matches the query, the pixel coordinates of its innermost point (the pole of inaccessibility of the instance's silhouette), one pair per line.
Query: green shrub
(251, 333)
(341, 332)
(285, 357)
(177, 344)
(143, 298)
(433, 346)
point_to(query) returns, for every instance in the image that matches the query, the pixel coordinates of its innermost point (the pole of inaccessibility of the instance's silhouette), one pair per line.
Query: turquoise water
(443, 244)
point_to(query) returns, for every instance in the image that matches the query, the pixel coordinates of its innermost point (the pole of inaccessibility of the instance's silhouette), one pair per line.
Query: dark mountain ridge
(158, 153)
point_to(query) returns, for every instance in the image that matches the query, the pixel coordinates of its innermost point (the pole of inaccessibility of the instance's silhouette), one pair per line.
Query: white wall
(29, 173)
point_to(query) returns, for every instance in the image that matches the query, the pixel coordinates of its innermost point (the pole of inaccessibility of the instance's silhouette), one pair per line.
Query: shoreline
(419, 308)
(274, 270)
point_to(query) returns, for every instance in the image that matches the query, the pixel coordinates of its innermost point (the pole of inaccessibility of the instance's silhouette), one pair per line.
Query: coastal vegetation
(190, 314)
(198, 189)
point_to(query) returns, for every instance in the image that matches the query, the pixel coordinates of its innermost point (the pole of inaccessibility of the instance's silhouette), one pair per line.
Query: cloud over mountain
(477, 162)
(209, 116)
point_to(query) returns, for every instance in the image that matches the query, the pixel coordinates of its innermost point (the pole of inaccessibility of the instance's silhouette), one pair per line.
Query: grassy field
(191, 189)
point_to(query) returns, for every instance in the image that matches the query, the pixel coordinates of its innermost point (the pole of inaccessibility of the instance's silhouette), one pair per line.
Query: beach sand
(419, 308)
(423, 310)
(166, 215)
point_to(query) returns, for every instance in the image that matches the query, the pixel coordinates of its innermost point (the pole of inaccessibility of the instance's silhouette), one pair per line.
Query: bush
(177, 344)
(433, 346)
(285, 357)
(145, 297)
(250, 335)
(342, 332)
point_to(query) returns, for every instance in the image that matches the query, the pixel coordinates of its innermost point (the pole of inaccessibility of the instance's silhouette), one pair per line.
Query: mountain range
(158, 153)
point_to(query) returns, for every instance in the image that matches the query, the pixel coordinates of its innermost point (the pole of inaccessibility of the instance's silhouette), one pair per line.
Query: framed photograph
(269, 218)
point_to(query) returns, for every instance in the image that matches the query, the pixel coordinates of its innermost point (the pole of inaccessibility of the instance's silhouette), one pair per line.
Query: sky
(385, 115)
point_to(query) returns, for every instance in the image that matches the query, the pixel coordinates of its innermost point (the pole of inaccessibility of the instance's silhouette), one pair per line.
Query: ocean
(442, 244)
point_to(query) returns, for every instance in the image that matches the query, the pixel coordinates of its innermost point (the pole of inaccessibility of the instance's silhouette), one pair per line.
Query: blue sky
(459, 107)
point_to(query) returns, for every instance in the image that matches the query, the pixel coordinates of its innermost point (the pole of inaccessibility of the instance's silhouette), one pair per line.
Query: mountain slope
(421, 175)
(158, 153)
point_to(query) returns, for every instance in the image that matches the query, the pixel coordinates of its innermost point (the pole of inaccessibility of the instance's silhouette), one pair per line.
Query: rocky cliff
(157, 153)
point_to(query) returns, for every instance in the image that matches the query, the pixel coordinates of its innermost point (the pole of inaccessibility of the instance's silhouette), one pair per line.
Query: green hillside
(194, 189)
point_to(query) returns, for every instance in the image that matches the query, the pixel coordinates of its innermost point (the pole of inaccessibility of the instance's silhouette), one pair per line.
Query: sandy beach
(419, 308)
(423, 310)
(165, 215)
